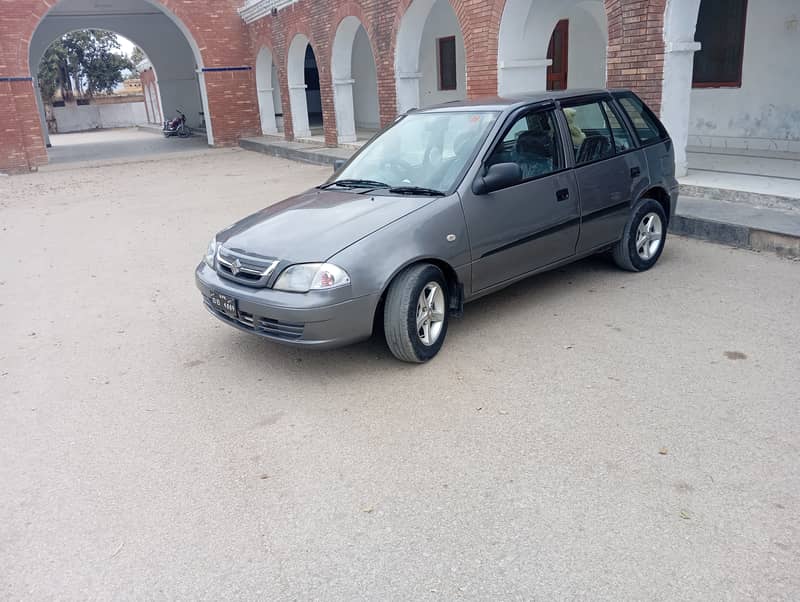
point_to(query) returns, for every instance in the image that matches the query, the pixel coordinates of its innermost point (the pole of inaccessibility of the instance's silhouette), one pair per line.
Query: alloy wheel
(430, 313)
(648, 236)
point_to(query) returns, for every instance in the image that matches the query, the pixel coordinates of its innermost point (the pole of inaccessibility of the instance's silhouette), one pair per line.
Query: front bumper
(321, 320)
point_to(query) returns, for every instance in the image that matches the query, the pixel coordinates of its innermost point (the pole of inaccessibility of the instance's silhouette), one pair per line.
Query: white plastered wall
(295, 70)
(765, 112)
(265, 91)
(416, 69)
(526, 27)
(355, 92)
(588, 43)
(442, 22)
(365, 86)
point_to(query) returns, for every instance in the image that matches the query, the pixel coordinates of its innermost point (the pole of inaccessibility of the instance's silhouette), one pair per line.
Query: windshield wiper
(355, 184)
(416, 190)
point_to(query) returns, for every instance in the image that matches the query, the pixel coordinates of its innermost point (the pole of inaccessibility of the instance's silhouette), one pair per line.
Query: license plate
(225, 304)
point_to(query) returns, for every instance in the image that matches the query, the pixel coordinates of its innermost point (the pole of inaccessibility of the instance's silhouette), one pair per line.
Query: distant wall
(74, 118)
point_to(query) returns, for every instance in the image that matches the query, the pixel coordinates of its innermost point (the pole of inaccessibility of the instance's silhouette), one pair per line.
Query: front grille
(261, 325)
(244, 269)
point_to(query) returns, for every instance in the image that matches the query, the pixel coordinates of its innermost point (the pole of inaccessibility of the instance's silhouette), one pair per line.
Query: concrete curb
(736, 235)
(305, 153)
(741, 196)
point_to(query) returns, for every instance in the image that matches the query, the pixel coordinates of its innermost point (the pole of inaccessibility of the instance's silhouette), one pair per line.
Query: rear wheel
(643, 239)
(415, 313)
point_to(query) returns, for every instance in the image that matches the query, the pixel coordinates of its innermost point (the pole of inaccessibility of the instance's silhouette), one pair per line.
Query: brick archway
(218, 40)
(411, 19)
(353, 95)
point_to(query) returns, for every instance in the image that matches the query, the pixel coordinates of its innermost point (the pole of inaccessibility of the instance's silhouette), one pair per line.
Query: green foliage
(54, 73)
(84, 59)
(137, 56)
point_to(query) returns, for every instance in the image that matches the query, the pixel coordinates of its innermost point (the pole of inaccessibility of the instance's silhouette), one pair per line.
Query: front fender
(375, 260)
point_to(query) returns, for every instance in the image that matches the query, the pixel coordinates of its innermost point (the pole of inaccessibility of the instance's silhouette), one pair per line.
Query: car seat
(534, 153)
(593, 148)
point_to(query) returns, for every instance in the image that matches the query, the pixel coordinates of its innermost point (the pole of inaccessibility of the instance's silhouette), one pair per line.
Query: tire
(404, 302)
(643, 239)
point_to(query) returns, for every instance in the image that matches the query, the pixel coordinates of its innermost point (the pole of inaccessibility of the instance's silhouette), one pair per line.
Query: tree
(54, 73)
(84, 61)
(137, 56)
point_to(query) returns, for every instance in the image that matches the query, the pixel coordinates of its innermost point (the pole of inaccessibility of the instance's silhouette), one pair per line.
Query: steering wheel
(401, 169)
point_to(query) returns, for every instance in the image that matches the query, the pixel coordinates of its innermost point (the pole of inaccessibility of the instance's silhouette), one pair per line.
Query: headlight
(305, 277)
(211, 252)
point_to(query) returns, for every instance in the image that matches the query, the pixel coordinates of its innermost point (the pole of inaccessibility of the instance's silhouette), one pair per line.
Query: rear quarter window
(647, 126)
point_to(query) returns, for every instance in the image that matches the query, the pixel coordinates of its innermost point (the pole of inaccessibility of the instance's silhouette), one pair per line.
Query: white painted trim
(525, 63)
(253, 11)
(683, 46)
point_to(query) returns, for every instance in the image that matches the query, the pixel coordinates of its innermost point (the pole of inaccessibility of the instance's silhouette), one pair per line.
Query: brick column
(231, 101)
(21, 142)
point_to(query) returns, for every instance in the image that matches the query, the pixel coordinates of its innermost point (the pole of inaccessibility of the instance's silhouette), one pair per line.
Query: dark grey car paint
(489, 241)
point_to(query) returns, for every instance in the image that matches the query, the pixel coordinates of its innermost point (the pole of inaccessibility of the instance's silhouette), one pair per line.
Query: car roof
(512, 101)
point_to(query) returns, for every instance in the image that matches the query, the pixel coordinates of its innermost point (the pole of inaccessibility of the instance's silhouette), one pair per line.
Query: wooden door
(558, 53)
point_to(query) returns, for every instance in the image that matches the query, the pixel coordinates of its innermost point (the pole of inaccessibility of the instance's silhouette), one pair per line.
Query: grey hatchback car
(444, 206)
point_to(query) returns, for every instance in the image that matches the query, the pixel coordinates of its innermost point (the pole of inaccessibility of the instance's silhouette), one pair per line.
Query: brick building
(341, 68)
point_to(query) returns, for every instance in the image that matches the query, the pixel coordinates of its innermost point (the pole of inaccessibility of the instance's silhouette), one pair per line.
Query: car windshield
(421, 150)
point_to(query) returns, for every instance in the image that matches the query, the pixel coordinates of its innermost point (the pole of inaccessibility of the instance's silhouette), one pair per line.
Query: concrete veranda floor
(122, 143)
(586, 435)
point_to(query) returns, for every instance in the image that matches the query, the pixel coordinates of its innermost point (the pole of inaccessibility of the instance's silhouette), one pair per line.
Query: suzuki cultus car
(446, 205)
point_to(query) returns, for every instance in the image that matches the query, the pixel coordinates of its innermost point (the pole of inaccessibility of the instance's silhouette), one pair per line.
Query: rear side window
(590, 132)
(622, 139)
(644, 122)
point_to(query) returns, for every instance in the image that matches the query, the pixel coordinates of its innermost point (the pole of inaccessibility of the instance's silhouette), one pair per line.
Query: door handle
(635, 172)
(562, 195)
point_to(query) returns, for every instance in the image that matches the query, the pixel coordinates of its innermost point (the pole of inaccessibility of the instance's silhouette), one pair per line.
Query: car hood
(316, 225)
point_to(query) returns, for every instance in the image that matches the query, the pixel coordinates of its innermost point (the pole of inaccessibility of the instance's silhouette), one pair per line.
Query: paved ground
(116, 144)
(589, 434)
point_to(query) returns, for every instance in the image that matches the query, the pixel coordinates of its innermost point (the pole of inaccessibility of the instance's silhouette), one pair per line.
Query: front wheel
(644, 237)
(415, 313)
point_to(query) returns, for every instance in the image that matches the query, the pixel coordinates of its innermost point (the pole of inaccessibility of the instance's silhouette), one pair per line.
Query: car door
(609, 168)
(533, 223)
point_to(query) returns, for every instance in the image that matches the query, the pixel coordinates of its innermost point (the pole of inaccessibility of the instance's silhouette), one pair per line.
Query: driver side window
(532, 142)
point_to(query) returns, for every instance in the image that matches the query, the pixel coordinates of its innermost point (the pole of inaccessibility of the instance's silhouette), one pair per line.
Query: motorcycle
(177, 127)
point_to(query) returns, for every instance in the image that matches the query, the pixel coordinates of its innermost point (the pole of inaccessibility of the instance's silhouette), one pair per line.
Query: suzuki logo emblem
(236, 266)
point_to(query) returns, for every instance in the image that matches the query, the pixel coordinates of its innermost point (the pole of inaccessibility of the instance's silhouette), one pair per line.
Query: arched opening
(269, 93)
(86, 80)
(304, 88)
(430, 57)
(552, 45)
(355, 82)
(171, 51)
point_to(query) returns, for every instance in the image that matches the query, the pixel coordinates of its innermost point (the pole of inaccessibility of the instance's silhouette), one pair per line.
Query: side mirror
(338, 164)
(499, 175)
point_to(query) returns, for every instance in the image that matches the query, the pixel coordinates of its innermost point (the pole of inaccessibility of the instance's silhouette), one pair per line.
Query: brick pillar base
(21, 141)
(233, 105)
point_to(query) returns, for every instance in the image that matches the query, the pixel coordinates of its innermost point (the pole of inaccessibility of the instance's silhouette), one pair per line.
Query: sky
(125, 45)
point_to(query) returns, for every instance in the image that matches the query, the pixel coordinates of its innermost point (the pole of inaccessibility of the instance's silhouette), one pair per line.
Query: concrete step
(739, 225)
(744, 194)
(775, 164)
(306, 152)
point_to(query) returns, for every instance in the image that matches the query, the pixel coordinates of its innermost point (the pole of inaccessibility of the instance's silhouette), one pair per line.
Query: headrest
(534, 143)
